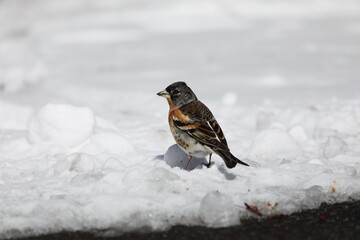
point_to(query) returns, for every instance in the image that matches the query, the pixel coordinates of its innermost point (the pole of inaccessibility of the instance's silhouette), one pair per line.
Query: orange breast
(175, 112)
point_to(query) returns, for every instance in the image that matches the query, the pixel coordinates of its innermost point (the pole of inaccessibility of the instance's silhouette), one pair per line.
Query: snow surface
(84, 140)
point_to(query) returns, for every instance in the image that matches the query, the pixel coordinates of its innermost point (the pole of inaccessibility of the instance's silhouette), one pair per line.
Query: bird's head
(179, 93)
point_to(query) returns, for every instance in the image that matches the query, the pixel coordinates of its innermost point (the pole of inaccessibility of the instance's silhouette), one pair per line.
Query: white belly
(190, 145)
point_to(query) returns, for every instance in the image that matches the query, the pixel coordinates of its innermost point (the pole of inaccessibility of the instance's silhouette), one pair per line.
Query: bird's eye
(175, 91)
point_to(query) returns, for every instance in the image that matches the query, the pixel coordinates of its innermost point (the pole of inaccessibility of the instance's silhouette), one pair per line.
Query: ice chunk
(313, 196)
(334, 146)
(275, 145)
(176, 157)
(61, 123)
(108, 142)
(218, 210)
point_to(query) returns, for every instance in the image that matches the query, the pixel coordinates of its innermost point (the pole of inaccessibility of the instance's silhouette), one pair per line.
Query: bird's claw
(208, 165)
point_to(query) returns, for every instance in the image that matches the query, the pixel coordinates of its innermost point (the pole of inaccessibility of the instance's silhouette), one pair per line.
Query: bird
(194, 127)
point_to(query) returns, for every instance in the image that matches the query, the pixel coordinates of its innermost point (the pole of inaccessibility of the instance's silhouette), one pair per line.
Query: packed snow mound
(275, 145)
(61, 123)
(176, 157)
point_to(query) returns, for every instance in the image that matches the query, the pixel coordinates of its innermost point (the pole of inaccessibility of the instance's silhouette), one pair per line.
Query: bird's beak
(164, 94)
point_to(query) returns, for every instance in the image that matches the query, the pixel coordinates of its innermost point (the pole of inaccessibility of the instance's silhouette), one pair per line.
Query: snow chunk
(218, 210)
(61, 123)
(108, 142)
(341, 123)
(176, 157)
(62, 164)
(275, 145)
(298, 133)
(334, 146)
(81, 162)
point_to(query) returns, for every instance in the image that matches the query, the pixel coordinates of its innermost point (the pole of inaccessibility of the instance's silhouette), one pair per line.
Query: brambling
(194, 127)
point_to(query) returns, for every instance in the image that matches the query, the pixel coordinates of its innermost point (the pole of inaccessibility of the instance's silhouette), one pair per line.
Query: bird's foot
(208, 165)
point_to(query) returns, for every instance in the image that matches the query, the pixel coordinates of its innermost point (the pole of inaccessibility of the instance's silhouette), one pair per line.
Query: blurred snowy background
(83, 136)
(307, 46)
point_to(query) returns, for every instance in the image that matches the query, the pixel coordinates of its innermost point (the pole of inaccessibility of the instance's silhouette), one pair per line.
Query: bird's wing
(201, 125)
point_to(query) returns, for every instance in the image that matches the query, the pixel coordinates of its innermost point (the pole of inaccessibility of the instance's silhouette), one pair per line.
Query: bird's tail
(229, 159)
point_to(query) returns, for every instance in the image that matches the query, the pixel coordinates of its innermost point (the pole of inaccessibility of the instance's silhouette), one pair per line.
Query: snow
(107, 142)
(84, 140)
(275, 145)
(81, 162)
(61, 123)
(334, 146)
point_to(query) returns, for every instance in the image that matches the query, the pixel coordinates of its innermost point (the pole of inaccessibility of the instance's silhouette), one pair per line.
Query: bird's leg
(187, 164)
(209, 164)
